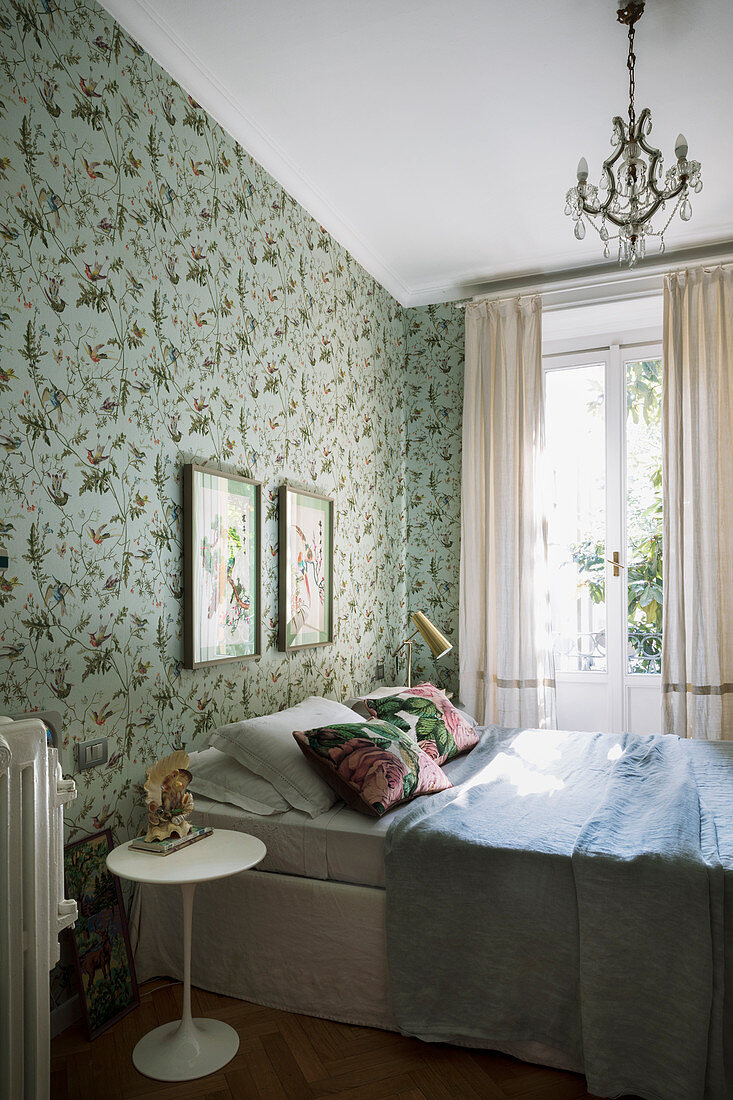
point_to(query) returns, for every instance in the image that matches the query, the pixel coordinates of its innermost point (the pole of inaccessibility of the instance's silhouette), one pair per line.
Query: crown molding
(165, 46)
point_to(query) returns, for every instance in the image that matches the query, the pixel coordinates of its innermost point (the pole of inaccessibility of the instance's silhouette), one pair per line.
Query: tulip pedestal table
(185, 1049)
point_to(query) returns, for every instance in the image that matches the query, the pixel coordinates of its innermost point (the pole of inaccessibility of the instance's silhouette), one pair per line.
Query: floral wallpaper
(435, 358)
(164, 300)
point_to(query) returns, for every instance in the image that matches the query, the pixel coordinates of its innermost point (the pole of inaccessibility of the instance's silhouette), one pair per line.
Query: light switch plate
(90, 754)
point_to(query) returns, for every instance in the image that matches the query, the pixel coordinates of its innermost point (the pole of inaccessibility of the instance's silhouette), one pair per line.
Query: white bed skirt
(302, 945)
(297, 944)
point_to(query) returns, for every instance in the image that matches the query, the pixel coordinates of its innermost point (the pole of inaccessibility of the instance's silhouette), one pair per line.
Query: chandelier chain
(631, 62)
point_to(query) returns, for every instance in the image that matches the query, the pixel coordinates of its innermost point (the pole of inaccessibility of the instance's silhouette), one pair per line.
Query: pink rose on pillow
(463, 733)
(377, 774)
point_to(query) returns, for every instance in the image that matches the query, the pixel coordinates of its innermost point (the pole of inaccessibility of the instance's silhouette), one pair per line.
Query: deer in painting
(99, 959)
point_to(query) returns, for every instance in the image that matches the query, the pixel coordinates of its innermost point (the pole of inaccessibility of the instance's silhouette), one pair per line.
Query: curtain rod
(578, 287)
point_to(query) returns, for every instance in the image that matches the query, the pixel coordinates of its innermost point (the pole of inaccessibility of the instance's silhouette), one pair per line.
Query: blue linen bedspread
(574, 890)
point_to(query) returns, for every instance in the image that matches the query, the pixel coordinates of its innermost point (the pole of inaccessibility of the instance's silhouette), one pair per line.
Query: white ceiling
(436, 139)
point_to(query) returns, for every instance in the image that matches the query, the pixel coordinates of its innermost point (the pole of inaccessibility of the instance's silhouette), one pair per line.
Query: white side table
(185, 1049)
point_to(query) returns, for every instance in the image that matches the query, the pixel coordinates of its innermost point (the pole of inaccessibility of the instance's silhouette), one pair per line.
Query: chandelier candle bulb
(633, 186)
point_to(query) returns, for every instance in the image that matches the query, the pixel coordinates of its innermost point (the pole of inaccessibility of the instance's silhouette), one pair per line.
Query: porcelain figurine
(169, 803)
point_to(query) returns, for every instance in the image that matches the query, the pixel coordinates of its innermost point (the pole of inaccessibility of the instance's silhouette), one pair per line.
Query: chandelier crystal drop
(633, 185)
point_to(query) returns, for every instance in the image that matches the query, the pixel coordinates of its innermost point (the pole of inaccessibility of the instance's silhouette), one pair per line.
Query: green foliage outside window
(644, 581)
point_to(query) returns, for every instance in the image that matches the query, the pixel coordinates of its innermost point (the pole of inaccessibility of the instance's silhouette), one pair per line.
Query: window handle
(617, 565)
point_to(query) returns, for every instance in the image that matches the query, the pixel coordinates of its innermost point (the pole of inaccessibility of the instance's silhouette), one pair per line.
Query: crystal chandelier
(633, 185)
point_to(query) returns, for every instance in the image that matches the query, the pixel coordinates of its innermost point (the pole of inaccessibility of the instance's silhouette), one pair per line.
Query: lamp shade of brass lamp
(437, 642)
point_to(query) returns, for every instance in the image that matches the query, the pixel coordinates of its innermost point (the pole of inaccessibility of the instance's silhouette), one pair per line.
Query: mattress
(341, 845)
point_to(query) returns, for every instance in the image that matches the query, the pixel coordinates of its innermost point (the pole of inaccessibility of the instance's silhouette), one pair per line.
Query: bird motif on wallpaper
(146, 720)
(48, 93)
(102, 46)
(197, 254)
(55, 398)
(7, 584)
(200, 318)
(199, 404)
(173, 429)
(5, 320)
(6, 528)
(94, 274)
(196, 106)
(53, 298)
(137, 621)
(99, 638)
(91, 169)
(141, 219)
(140, 501)
(142, 387)
(112, 583)
(96, 456)
(202, 704)
(137, 455)
(135, 286)
(129, 114)
(138, 332)
(167, 194)
(51, 203)
(56, 491)
(106, 225)
(170, 354)
(58, 683)
(55, 595)
(89, 88)
(101, 716)
(134, 162)
(170, 266)
(100, 534)
(114, 760)
(168, 110)
(144, 556)
(10, 443)
(109, 405)
(95, 353)
(11, 652)
(8, 233)
(101, 819)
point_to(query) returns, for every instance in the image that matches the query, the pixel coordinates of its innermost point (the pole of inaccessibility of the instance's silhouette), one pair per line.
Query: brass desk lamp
(438, 643)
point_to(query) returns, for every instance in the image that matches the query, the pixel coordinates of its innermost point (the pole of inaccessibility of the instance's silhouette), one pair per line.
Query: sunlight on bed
(526, 767)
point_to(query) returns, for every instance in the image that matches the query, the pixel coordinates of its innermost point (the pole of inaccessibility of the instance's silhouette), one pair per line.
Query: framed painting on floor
(222, 522)
(306, 569)
(100, 941)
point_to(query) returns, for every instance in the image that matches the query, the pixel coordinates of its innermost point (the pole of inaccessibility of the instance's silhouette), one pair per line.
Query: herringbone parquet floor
(287, 1057)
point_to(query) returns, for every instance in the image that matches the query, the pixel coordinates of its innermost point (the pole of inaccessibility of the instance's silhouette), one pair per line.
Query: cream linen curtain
(506, 666)
(697, 652)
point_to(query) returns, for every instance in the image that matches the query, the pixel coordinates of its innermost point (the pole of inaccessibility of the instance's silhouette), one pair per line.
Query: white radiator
(33, 909)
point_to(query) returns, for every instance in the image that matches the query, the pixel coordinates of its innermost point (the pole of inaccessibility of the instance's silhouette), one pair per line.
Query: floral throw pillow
(425, 713)
(372, 765)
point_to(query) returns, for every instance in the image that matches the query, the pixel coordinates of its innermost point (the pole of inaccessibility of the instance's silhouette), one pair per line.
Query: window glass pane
(644, 513)
(576, 492)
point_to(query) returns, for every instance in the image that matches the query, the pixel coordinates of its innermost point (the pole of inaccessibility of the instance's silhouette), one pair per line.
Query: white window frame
(620, 688)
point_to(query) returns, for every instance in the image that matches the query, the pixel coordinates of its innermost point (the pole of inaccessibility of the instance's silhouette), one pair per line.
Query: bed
(534, 908)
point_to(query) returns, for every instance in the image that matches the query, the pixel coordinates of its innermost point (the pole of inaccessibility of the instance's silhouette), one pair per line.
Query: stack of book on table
(173, 843)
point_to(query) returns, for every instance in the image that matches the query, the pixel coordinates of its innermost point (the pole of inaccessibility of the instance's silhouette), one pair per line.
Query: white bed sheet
(340, 845)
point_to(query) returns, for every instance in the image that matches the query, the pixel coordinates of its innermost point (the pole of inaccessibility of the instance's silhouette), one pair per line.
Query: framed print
(103, 960)
(222, 521)
(306, 569)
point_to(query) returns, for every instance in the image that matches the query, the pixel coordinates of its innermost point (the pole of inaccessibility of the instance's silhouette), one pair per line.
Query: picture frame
(222, 567)
(100, 941)
(306, 530)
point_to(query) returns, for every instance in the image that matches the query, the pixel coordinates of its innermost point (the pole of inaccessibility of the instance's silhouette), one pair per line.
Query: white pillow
(224, 779)
(267, 747)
